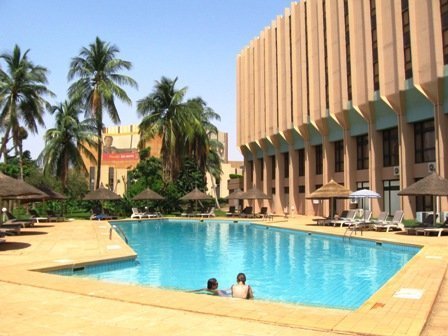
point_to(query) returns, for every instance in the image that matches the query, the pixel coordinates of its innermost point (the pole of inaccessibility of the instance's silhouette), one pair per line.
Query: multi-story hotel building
(350, 90)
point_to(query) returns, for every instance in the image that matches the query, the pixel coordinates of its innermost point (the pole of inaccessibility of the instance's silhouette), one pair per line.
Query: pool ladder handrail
(119, 231)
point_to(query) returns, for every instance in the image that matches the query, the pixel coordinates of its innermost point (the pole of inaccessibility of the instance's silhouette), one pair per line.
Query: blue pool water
(280, 265)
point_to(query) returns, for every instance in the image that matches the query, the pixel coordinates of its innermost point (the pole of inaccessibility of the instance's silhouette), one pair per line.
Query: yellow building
(120, 155)
(352, 90)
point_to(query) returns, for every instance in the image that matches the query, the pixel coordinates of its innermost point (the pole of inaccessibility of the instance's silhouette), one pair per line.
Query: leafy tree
(22, 92)
(67, 142)
(167, 115)
(99, 83)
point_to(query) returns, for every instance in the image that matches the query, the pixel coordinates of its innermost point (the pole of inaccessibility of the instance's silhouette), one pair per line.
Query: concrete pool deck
(413, 302)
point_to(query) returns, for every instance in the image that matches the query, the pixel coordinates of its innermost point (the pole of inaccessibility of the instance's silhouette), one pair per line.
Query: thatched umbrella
(148, 194)
(332, 190)
(101, 194)
(236, 195)
(11, 188)
(254, 194)
(196, 195)
(431, 185)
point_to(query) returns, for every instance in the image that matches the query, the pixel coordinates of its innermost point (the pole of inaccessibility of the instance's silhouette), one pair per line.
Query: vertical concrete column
(349, 163)
(328, 167)
(293, 180)
(279, 177)
(407, 159)
(441, 135)
(247, 182)
(375, 164)
(267, 178)
(310, 163)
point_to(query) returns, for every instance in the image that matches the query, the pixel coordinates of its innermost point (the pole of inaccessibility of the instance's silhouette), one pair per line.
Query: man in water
(212, 288)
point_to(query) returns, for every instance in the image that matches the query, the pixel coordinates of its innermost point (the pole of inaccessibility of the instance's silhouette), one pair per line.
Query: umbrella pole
(434, 208)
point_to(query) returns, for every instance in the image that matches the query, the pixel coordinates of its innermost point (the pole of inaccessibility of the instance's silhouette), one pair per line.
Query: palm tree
(22, 91)
(165, 114)
(199, 140)
(99, 84)
(68, 142)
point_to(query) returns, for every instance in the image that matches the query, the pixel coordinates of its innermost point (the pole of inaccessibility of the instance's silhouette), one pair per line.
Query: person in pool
(212, 288)
(241, 290)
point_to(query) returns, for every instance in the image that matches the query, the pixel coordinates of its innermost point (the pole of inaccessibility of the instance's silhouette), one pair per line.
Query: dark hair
(241, 277)
(212, 282)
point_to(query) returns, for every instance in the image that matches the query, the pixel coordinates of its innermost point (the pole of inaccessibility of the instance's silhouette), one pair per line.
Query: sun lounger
(35, 215)
(210, 213)
(394, 224)
(231, 212)
(136, 213)
(52, 217)
(263, 213)
(11, 220)
(420, 228)
(247, 212)
(344, 220)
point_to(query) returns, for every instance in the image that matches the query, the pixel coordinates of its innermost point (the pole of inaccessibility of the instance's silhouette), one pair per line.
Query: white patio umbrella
(365, 194)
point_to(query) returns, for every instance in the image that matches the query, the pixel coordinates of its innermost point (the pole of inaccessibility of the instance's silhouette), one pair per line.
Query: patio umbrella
(196, 195)
(431, 185)
(254, 194)
(11, 188)
(47, 194)
(332, 190)
(148, 194)
(365, 194)
(101, 194)
(236, 195)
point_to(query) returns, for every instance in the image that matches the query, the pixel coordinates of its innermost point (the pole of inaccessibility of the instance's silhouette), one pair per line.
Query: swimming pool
(281, 265)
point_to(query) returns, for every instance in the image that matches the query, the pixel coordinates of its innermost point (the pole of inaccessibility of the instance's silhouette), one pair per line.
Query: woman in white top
(241, 290)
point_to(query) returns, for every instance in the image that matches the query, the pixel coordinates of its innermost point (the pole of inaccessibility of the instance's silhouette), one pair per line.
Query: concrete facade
(350, 90)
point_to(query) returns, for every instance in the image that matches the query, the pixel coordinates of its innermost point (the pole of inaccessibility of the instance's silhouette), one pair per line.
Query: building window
(111, 180)
(406, 39)
(319, 159)
(92, 178)
(286, 190)
(425, 143)
(301, 189)
(423, 203)
(273, 191)
(444, 19)
(339, 156)
(301, 156)
(261, 163)
(273, 167)
(390, 196)
(390, 147)
(362, 151)
(286, 165)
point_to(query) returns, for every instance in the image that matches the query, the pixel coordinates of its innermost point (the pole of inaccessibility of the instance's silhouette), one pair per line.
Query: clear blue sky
(195, 40)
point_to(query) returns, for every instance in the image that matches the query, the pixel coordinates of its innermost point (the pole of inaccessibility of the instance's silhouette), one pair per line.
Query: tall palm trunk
(100, 154)
(4, 142)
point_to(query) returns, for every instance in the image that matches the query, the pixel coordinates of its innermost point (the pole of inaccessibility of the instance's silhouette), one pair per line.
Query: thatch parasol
(47, 194)
(254, 194)
(235, 195)
(431, 185)
(101, 194)
(196, 195)
(11, 188)
(332, 190)
(148, 194)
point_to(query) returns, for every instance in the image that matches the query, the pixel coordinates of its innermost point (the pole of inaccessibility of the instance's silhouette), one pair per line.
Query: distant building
(120, 155)
(350, 90)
